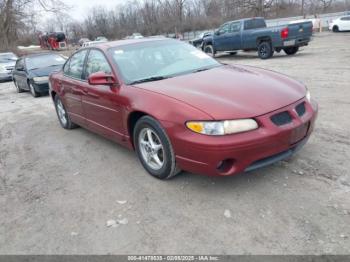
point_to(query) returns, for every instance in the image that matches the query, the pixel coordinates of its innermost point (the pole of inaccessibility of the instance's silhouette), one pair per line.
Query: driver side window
(74, 67)
(96, 62)
(224, 29)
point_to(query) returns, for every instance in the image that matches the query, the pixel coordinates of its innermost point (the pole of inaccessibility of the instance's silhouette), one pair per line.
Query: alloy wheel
(151, 148)
(62, 115)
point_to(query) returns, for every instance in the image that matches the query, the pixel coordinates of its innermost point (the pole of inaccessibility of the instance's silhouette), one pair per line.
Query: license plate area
(299, 133)
(289, 43)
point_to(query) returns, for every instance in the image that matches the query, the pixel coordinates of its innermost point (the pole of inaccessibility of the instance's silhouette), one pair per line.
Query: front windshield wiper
(149, 79)
(54, 65)
(204, 69)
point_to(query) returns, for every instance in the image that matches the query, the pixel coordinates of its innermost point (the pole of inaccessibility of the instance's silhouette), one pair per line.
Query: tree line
(148, 17)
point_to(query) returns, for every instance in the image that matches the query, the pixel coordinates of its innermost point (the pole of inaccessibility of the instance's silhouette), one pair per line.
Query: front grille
(300, 109)
(281, 118)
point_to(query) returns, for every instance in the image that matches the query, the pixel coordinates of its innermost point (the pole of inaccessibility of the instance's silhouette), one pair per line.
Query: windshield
(4, 58)
(159, 59)
(44, 61)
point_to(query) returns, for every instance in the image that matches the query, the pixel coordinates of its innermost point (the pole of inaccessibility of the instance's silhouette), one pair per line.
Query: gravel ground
(59, 188)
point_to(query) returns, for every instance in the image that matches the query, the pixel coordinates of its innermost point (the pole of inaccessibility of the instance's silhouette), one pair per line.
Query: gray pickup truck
(252, 34)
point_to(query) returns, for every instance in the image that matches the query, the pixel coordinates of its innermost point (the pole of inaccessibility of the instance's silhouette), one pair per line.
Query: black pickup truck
(253, 34)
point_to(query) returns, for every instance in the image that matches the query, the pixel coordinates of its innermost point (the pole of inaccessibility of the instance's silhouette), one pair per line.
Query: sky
(81, 7)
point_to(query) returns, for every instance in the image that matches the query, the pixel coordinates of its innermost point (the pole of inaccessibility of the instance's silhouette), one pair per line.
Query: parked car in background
(197, 42)
(83, 40)
(31, 72)
(91, 43)
(101, 39)
(252, 34)
(340, 24)
(180, 109)
(134, 36)
(7, 63)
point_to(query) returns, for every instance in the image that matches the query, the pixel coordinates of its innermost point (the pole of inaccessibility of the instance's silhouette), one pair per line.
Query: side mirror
(101, 78)
(217, 32)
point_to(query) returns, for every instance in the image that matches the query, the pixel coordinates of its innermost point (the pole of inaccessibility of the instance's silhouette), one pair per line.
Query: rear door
(102, 103)
(72, 86)
(234, 34)
(345, 23)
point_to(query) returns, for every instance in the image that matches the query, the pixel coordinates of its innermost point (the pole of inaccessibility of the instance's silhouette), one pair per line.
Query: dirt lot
(58, 188)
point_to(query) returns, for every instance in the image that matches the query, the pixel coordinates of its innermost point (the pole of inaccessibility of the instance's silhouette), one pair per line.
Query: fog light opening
(225, 166)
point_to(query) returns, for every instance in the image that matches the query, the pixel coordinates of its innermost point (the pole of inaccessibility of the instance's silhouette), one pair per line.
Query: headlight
(219, 128)
(308, 96)
(41, 79)
(2, 69)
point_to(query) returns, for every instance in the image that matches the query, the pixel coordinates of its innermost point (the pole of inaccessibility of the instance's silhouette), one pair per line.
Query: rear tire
(62, 115)
(209, 50)
(154, 148)
(335, 29)
(265, 50)
(291, 50)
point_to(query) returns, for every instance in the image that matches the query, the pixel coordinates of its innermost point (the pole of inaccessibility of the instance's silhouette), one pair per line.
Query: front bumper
(41, 87)
(233, 154)
(5, 76)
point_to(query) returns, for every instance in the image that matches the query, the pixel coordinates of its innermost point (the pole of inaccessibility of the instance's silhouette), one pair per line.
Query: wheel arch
(261, 39)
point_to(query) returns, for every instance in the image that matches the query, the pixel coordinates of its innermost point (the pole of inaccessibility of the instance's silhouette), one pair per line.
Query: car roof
(107, 45)
(38, 54)
(7, 53)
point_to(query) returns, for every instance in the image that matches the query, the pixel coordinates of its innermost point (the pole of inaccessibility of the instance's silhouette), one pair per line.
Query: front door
(222, 38)
(102, 103)
(72, 86)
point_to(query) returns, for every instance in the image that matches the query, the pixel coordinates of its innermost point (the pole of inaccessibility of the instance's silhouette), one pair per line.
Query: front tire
(18, 89)
(154, 148)
(265, 50)
(335, 29)
(62, 114)
(32, 90)
(291, 50)
(209, 50)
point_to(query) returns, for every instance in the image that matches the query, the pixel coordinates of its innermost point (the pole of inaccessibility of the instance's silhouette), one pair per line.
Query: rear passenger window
(254, 23)
(96, 62)
(75, 65)
(346, 18)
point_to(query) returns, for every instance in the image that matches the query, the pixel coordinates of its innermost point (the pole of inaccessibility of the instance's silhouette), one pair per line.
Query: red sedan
(180, 109)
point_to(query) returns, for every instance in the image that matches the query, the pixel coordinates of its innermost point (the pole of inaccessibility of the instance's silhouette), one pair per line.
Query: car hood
(44, 71)
(8, 64)
(230, 92)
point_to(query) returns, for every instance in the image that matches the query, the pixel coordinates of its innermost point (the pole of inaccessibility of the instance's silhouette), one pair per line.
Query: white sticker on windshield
(117, 52)
(200, 54)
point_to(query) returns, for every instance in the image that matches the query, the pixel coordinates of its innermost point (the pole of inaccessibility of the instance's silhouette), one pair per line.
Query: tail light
(284, 33)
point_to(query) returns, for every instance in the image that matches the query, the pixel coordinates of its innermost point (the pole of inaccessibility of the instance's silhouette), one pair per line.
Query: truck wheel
(291, 50)
(209, 50)
(265, 50)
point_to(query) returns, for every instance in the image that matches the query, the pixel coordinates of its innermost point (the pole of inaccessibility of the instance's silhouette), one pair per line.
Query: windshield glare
(165, 58)
(4, 58)
(44, 61)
